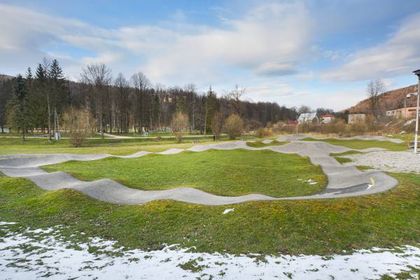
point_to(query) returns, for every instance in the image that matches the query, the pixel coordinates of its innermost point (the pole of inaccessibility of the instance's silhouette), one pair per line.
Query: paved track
(343, 181)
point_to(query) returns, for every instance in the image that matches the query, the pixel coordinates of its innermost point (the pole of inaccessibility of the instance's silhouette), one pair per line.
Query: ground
(14, 145)
(230, 173)
(320, 227)
(363, 144)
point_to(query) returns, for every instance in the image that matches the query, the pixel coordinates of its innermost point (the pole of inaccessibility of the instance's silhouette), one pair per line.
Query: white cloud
(268, 40)
(399, 54)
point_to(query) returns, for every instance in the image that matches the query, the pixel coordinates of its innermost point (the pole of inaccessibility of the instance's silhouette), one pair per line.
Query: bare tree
(141, 84)
(374, 90)
(79, 124)
(304, 109)
(217, 124)
(179, 125)
(235, 99)
(120, 103)
(99, 77)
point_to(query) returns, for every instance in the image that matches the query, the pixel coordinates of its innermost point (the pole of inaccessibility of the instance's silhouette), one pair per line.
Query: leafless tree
(79, 123)
(234, 97)
(374, 90)
(141, 84)
(179, 125)
(304, 109)
(217, 124)
(99, 77)
(120, 103)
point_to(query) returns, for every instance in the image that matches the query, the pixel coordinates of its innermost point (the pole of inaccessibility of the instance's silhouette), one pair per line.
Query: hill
(388, 100)
(5, 77)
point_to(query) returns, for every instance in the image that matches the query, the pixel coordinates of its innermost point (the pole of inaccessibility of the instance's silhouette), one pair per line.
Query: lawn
(311, 227)
(363, 144)
(235, 172)
(260, 144)
(112, 146)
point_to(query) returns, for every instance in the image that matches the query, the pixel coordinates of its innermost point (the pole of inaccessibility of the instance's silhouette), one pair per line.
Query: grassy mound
(260, 144)
(363, 144)
(311, 227)
(231, 173)
(97, 146)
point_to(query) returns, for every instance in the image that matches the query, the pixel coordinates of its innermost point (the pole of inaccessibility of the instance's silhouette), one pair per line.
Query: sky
(318, 53)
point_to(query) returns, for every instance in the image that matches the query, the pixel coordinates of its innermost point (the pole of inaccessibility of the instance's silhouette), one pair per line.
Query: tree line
(37, 102)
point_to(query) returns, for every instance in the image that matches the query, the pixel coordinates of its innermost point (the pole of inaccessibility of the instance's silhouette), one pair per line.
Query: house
(356, 118)
(405, 113)
(327, 118)
(308, 118)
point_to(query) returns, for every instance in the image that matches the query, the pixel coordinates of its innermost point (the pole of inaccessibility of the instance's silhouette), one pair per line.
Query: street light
(417, 73)
(405, 103)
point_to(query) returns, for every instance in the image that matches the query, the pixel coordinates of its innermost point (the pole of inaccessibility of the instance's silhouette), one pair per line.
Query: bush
(264, 132)
(217, 124)
(79, 123)
(179, 125)
(358, 128)
(234, 126)
(337, 126)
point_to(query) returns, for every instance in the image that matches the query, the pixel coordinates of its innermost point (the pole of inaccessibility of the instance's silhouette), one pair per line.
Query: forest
(36, 102)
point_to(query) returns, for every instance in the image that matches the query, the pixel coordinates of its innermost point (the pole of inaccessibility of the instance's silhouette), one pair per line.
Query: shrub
(234, 126)
(358, 127)
(179, 125)
(338, 126)
(79, 123)
(217, 124)
(264, 132)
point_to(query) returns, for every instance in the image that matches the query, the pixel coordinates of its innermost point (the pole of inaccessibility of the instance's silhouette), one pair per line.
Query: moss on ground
(363, 144)
(231, 173)
(260, 144)
(96, 146)
(311, 227)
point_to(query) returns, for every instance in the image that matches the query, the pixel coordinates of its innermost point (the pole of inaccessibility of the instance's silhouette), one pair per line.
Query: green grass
(236, 172)
(351, 152)
(363, 144)
(311, 227)
(412, 273)
(343, 160)
(260, 144)
(10, 145)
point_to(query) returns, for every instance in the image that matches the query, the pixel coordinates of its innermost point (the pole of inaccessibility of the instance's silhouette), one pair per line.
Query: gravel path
(343, 181)
(388, 161)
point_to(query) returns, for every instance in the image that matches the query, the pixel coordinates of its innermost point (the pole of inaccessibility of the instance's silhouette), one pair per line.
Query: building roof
(305, 117)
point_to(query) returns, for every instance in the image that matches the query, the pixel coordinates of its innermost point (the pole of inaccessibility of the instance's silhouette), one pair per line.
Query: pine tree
(40, 73)
(21, 105)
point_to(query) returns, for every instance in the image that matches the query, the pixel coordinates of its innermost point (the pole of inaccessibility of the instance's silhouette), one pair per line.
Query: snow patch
(40, 253)
(228, 211)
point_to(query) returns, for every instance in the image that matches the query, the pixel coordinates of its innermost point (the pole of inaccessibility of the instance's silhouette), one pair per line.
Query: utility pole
(417, 73)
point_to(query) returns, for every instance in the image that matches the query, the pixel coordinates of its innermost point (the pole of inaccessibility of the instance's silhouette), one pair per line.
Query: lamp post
(417, 73)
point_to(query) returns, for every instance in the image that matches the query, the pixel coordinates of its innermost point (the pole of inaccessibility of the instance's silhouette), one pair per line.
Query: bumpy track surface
(343, 181)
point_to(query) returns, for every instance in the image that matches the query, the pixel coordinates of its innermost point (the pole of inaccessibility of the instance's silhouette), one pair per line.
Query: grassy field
(260, 144)
(363, 144)
(312, 227)
(235, 172)
(97, 145)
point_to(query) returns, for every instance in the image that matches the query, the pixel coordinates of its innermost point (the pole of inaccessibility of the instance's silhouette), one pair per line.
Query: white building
(308, 118)
(356, 118)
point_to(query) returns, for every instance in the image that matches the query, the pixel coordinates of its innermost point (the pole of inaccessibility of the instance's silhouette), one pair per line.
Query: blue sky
(319, 53)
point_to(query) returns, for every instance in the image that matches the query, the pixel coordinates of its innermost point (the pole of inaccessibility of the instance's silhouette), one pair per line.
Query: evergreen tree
(21, 110)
